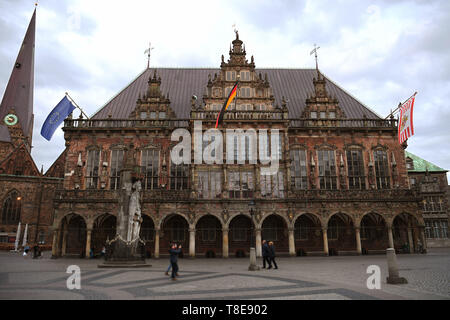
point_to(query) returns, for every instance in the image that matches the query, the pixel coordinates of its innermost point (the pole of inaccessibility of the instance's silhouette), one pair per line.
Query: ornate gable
(254, 91)
(57, 168)
(19, 163)
(153, 105)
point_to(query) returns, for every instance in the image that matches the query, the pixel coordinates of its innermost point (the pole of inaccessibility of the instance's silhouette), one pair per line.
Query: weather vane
(315, 52)
(148, 52)
(235, 30)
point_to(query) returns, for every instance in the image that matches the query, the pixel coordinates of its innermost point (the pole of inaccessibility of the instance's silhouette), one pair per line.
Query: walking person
(266, 254)
(174, 252)
(272, 255)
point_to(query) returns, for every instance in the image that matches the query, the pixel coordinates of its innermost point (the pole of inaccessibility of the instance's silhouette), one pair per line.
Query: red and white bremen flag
(405, 126)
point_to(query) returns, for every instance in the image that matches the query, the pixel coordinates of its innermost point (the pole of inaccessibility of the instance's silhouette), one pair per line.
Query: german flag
(227, 103)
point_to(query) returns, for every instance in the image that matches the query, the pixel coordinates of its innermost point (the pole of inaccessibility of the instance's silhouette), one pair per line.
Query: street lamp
(252, 266)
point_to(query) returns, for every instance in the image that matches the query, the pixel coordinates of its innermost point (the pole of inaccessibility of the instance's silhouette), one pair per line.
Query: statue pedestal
(120, 254)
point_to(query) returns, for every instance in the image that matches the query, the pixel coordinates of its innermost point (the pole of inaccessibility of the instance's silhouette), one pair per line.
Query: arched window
(12, 206)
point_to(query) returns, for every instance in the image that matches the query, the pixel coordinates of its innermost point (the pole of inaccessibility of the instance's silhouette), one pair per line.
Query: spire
(18, 97)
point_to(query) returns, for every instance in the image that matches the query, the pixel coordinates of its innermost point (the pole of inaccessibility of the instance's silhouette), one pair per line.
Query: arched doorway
(406, 233)
(341, 234)
(175, 229)
(148, 235)
(104, 229)
(274, 229)
(308, 235)
(73, 240)
(208, 237)
(374, 234)
(240, 236)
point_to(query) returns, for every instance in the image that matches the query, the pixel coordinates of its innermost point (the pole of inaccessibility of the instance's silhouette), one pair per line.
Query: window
(327, 169)
(381, 169)
(12, 207)
(436, 229)
(209, 184)
(412, 181)
(241, 184)
(432, 204)
(92, 169)
(116, 166)
(239, 234)
(144, 115)
(230, 76)
(152, 115)
(245, 92)
(323, 115)
(313, 115)
(298, 169)
(332, 115)
(245, 75)
(162, 115)
(179, 175)
(355, 164)
(272, 185)
(150, 167)
(261, 107)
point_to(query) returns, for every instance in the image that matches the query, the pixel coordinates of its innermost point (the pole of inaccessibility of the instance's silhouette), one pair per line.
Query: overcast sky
(381, 52)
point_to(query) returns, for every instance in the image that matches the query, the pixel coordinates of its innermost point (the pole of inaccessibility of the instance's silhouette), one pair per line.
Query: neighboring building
(26, 194)
(342, 185)
(431, 183)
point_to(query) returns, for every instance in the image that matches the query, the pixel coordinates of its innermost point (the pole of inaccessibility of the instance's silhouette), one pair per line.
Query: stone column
(325, 240)
(422, 238)
(225, 253)
(410, 241)
(88, 243)
(64, 243)
(54, 244)
(358, 240)
(291, 243)
(192, 243)
(391, 238)
(258, 243)
(156, 243)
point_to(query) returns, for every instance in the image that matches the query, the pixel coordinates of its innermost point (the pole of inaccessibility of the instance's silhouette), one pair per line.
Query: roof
(421, 165)
(19, 91)
(182, 83)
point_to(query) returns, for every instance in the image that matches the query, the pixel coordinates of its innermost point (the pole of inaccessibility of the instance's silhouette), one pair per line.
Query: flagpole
(400, 104)
(76, 105)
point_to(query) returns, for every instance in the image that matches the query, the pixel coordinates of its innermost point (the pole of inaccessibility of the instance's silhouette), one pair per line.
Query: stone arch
(282, 217)
(373, 233)
(164, 219)
(103, 229)
(245, 214)
(406, 232)
(208, 236)
(199, 217)
(240, 234)
(174, 228)
(73, 235)
(274, 228)
(308, 234)
(341, 233)
(147, 233)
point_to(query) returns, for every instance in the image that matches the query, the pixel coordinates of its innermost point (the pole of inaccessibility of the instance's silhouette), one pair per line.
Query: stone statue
(135, 216)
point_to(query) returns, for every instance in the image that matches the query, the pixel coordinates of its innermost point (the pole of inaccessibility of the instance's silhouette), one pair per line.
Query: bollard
(394, 277)
(253, 266)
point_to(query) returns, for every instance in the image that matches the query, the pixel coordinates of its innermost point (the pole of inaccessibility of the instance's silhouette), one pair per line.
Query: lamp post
(252, 266)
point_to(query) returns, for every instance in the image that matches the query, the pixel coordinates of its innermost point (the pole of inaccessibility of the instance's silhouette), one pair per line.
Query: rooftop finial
(236, 31)
(148, 52)
(315, 54)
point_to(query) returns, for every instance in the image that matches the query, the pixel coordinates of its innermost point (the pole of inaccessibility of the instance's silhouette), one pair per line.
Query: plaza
(298, 278)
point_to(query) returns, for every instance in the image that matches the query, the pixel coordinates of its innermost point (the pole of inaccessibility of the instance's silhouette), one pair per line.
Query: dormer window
(245, 75)
(323, 115)
(230, 76)
(332, 115)
(143, 115)
(313, 115)
(152, 115)
(162, 115)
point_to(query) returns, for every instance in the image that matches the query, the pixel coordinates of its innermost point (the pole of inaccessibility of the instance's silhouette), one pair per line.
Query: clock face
(11, 119)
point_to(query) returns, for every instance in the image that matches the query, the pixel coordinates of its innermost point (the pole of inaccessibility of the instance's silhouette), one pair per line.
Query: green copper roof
(421, 165)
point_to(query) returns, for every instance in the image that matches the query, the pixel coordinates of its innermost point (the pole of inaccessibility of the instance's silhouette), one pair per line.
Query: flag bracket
(76, 105)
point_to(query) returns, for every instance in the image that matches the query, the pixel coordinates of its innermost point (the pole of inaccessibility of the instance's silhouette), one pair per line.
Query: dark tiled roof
(19, 91)
(182, 83)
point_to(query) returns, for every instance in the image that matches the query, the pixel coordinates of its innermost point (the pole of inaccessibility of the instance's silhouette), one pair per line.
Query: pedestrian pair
(268, 253)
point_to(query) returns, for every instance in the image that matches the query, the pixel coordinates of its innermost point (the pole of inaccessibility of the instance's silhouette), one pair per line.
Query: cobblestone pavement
(299, 278)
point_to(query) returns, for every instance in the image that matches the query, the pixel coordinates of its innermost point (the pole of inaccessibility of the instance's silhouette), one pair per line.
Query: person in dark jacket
(266, 254)
(174, 252)
(272, 255)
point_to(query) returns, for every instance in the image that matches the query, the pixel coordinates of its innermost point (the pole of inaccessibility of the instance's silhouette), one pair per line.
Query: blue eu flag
(56, 117)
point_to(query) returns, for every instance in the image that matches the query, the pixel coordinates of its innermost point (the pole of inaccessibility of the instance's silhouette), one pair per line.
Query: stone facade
(342, 186)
